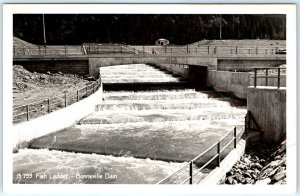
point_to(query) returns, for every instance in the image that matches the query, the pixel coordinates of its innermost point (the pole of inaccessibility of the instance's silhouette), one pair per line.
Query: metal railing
(46, 106)
(206, 160)
(269, 73)
(126, 49)
(42, 50)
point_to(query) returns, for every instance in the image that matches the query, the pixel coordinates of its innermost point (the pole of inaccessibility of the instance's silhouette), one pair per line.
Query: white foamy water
(77, 168)
(174, 125)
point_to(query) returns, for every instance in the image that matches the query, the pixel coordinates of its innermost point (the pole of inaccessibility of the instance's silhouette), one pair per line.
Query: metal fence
(269, 73)
(45, 106)
(126, 49)
(41, 50)
(211, 158)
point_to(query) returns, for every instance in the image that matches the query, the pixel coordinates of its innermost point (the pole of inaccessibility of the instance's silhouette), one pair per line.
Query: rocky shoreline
(261, 164)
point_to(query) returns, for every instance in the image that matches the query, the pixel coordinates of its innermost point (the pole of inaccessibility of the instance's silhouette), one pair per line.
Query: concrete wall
(60, 119)
(246, 64)
(268, 107)
(237, 82)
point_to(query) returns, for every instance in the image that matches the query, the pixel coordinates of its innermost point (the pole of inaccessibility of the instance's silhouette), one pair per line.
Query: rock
(246, 160)
(48, 72)
(247, 175)
(43, 76)
(229, 180)
(256, 165)
(272, 173)
(59, 73)
(263, 181)
(265, 173)
(277, 157)
(27, 77)
(280, 175)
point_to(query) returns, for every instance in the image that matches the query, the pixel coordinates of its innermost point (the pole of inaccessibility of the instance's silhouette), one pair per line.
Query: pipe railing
(277, 73)
(46, 106)
(187, 173)
(124, 49)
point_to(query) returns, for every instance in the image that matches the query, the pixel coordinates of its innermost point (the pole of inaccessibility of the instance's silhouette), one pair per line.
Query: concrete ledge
(55, 121)
(217, 174)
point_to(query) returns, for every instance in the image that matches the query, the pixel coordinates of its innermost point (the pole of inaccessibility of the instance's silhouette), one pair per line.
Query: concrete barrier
(55, 121)
(268, 107)
(238, 82)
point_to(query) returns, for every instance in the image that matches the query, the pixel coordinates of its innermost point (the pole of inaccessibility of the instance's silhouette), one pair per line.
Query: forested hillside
(145, 28)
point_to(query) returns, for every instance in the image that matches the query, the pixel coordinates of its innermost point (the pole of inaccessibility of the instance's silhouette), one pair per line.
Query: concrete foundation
(268, 107)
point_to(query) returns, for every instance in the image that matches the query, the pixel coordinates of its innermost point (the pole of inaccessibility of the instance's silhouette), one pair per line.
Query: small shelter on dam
(162, 42)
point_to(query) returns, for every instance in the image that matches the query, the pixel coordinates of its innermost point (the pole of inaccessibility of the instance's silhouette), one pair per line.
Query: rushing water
(142, 133)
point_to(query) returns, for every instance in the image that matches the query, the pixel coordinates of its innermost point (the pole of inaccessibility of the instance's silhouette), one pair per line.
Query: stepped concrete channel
(134, 136)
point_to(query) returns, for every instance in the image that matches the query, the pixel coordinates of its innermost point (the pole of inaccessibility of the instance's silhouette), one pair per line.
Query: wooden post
(49, 108)
(234, 135)
(65, 100)
(255, 75)
(278, 78)
(27, 108)
(86, 90)
(66, 52)
(267, 70)
(256, 50)
(236, 50)
(218, 151)
(39, 50)
(77, 95)
(207, 49)
(191, 172)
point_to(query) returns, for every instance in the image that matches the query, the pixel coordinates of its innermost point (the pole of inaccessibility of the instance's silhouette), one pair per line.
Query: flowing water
(133, 136)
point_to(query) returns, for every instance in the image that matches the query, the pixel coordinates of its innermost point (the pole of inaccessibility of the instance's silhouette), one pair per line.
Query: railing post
(77, 95)
(216, 50)
(66, 52)
(278, 78)
(27, 108)
(255, 75)
(218, 151)
(165, 49)
(49, 109)
(187, 49)
(236, 50)
(197, 50)
(86, 90)
(171, 50)
(121, 49)
(256, 50)
(207, 49)
(39, 50)
(65, 100)
(267, 72)
(191, 172)
(249, 51)
(143, 49)
(234, 135)
(94, 87)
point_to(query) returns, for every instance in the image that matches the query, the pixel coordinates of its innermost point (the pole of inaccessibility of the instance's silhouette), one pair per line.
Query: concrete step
(154, 95)
(161, 104)
(156, 115)
(144, 86)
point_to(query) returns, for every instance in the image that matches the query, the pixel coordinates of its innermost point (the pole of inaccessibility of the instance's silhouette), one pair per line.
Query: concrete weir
(140, 136)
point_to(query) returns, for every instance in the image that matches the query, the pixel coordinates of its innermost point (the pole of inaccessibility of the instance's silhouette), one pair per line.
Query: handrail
(217, 155)
(267, 76)
(145, 49)
(67, 99)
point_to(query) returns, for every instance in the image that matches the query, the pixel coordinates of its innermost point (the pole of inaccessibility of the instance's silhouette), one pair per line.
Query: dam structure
(148, 124)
